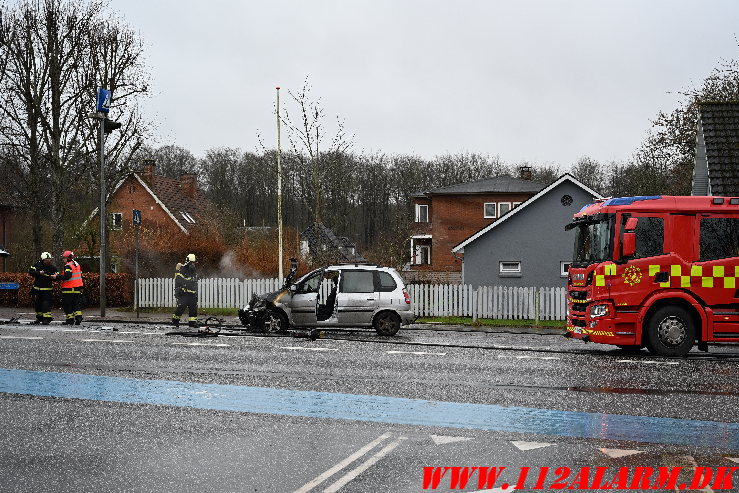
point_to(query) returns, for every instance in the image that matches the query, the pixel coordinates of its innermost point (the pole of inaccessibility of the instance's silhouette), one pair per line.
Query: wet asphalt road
(67, 444)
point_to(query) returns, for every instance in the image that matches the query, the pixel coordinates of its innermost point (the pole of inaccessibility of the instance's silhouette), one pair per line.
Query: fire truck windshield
(593, 240)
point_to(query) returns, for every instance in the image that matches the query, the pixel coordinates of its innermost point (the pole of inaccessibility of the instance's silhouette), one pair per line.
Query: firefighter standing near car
(43, 273)
(71, 279)
(186, 292)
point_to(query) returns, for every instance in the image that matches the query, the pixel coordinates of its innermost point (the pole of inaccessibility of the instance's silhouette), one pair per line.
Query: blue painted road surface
(371, 408)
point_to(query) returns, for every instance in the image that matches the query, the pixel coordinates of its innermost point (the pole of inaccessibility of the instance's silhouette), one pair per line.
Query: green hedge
(118, 288)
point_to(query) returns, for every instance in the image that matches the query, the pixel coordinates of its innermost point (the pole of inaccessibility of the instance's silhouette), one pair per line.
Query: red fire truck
(655, 271)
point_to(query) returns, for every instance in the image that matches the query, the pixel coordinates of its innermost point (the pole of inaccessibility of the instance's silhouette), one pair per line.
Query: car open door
(357, 299)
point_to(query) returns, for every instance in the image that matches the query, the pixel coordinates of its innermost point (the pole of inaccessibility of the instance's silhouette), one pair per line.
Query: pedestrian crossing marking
(616, 453)
(443, 440)
(522, 445)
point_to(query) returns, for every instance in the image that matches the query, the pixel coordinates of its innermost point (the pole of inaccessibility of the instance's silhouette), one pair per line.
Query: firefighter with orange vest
(71, 279)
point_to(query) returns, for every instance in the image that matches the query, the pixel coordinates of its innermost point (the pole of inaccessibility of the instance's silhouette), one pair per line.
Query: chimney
(524, 173)
(189, 185)
(148, 173)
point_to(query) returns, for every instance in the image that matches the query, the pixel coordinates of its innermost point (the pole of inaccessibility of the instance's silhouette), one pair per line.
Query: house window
(503, 208)
(423, 255)
(564, 266)
(116, 221)
(510, 267)
(516, 204)
(422, 213)
(490, 209)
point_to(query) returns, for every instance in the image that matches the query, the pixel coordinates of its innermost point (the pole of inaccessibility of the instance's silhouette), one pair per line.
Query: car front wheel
(386, 323)
(274, 321)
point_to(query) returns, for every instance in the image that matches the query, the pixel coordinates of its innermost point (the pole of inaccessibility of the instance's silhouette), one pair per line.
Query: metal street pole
(103, 216)
(279, 192)
(136, 270)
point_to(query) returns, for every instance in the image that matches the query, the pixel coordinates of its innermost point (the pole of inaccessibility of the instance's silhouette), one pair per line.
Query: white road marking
(341, 465)
(443, 440)
(132, 332)
(616, 453)
(20, 337)
(508, 356)
(342, 481)
(647, 361)
(73, 330)
(415, 352)
(309, 348)
(521, 445)
(106, 340)
(200, 344)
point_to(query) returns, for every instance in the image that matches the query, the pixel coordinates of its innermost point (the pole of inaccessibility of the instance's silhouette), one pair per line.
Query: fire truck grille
(577, 322)
(579, 307)
(579, 295)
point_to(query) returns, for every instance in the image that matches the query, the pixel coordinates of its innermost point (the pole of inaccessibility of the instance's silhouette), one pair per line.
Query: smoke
(228, 267)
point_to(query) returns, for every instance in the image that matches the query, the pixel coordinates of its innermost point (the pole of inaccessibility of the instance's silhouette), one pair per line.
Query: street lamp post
(279, 194)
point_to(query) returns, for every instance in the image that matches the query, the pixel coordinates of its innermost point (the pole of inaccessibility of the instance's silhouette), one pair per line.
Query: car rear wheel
(274, 321)
(386, 323)
(670, 332)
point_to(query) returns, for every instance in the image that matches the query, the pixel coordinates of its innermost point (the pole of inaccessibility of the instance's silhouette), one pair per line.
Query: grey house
(716, 169)
(528, 246)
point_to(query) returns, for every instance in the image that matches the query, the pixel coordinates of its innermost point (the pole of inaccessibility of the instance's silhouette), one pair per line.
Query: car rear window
(385, 282)
(357, 281)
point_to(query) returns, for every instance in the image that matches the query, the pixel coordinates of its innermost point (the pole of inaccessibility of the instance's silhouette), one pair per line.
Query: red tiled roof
(168, 190)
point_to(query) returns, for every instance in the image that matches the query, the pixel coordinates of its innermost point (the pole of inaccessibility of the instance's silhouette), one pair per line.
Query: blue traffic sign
(136, 216)
(103, 100)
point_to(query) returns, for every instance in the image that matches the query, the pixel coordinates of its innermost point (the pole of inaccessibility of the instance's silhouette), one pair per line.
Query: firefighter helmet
(191, 257)
(45, 255)
(68, 254)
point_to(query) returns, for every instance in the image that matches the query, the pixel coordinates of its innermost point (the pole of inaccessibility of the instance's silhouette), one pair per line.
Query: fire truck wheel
(670, 332)
(274, 321)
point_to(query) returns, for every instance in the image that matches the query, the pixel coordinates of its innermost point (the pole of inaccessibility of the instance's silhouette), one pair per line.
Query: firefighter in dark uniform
(43, 273)
(186, 292)
(71, 289)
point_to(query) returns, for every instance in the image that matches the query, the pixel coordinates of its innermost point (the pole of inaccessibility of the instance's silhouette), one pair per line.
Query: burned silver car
(334, 296)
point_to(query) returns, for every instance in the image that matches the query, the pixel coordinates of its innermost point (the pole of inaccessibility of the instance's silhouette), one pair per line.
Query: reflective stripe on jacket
(72, 275)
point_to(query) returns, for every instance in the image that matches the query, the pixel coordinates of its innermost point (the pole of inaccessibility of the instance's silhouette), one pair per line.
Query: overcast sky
(540, 81)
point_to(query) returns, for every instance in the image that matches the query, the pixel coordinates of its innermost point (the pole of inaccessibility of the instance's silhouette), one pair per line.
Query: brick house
(166, 204)
(446, 216)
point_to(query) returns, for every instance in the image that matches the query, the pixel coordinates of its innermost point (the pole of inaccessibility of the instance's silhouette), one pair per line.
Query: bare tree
(56, 53)
(307, 138)
(671, 141)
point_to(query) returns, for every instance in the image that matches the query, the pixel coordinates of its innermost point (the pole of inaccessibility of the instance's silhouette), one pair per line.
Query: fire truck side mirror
(628, 249)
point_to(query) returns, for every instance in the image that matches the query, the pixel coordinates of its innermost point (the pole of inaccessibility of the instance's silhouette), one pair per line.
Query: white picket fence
(427, 300)
(456, 300)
